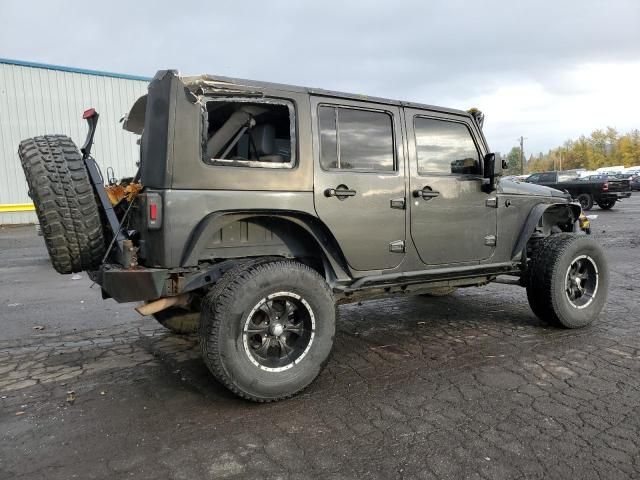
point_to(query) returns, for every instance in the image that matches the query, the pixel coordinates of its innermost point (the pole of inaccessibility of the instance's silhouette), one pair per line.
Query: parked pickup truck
(600, 189)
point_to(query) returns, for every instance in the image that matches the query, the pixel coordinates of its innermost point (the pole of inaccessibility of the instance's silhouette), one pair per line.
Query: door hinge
(399, 203)
(490, 240)
(397, 246)
(492, 202)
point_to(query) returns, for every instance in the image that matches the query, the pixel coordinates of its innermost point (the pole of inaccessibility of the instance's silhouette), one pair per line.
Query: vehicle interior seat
(263, 138)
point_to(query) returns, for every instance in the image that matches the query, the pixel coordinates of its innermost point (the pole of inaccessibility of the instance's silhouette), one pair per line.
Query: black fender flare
(213, 222)
(533, 219)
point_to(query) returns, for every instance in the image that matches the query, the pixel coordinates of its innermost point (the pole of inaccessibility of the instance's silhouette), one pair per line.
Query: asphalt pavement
(468, 386)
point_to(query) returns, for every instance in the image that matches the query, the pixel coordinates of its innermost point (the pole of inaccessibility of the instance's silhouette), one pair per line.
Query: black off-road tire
(179, 320)
(546, 280)
(225, 311)
(586, 201)
(65, 203)
(607, 204)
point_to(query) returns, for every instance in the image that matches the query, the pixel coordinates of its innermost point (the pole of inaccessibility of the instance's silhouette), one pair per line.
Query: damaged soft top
(213, 85)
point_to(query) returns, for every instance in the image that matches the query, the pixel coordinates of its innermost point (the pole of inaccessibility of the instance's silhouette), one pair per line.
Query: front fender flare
(533, 219)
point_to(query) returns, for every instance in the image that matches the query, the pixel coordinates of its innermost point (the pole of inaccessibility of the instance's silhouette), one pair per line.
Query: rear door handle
(340, 192)
(427, 193)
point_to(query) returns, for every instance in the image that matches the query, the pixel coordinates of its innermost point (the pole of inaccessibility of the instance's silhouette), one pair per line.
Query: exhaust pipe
(162, 304)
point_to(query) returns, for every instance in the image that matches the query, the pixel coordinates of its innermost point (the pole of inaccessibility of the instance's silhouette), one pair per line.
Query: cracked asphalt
(468, 386)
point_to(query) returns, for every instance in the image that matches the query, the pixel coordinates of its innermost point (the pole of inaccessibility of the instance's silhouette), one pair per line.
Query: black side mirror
(492, 170)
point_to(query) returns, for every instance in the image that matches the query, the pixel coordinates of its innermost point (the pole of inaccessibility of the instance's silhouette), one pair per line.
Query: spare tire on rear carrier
(65, 203)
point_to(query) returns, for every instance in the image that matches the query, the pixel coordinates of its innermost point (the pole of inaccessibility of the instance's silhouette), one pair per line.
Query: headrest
(264, 138)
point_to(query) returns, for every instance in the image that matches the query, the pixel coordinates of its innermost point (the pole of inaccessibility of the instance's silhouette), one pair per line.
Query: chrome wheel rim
(581, 281)
(279, 331)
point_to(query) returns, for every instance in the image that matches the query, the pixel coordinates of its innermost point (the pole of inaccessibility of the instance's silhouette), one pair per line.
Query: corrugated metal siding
(38, 101)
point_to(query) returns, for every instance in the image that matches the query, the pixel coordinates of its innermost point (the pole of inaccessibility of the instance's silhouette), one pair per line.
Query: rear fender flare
(212, 223)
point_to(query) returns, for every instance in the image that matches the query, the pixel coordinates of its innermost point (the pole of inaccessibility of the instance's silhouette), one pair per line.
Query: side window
(353, 139)
(244, 132)
(549, 177)
(445, 147)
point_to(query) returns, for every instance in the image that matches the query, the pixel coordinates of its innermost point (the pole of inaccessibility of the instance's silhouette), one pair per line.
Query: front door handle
(340, 192)
(427, 193)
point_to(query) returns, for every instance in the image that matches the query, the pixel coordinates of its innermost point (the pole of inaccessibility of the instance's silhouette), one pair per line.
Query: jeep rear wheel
(65, 203)
(568, 280)
(267, 330)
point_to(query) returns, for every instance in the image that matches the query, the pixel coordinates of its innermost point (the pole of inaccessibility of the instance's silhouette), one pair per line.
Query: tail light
(605, 187)
(154, 211)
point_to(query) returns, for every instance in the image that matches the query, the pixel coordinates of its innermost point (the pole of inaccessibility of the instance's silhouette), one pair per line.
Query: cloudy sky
(547, 70)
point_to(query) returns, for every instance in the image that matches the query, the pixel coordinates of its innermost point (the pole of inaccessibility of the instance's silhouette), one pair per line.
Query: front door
(359, 180)
(451, 220)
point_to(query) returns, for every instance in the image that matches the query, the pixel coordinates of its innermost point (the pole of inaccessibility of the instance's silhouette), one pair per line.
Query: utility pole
(521, 155)
(561, 152)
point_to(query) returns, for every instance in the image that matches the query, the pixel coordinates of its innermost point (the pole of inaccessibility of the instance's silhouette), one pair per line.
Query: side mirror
(492, 169)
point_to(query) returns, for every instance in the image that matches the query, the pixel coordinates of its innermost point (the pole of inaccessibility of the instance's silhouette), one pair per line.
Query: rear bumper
(131, 285)
(616, 195)
(142, 284)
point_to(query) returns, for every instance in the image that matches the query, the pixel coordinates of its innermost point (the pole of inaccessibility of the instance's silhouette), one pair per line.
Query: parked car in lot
(259, 207)
(631, 175)
(599, 188)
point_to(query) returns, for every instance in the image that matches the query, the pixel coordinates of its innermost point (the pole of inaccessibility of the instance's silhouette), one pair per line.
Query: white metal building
(38, 99)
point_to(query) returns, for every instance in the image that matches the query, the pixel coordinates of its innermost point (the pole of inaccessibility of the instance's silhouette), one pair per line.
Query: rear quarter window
(250, 133)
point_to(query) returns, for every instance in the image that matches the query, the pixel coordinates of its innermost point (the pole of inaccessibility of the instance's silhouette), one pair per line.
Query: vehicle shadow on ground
(388, 334)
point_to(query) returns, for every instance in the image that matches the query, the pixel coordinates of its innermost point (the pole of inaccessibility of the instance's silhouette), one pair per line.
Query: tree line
(603, 148)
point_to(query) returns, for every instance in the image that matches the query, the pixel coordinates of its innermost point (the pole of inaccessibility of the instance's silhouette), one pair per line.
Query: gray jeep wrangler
(257, 208)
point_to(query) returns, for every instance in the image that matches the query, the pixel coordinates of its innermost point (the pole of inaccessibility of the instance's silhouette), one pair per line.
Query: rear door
(359, 179)
(452, 220)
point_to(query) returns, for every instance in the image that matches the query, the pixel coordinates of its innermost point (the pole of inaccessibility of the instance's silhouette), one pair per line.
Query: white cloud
(545, 69)
(567, 104)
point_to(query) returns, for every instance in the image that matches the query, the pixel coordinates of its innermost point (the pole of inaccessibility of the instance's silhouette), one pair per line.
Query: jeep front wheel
(267, 329)
(568, 280)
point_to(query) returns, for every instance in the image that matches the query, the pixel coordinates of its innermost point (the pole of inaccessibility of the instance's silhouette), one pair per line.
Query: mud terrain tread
(64, 201)
(209, 300)
(218, 301)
